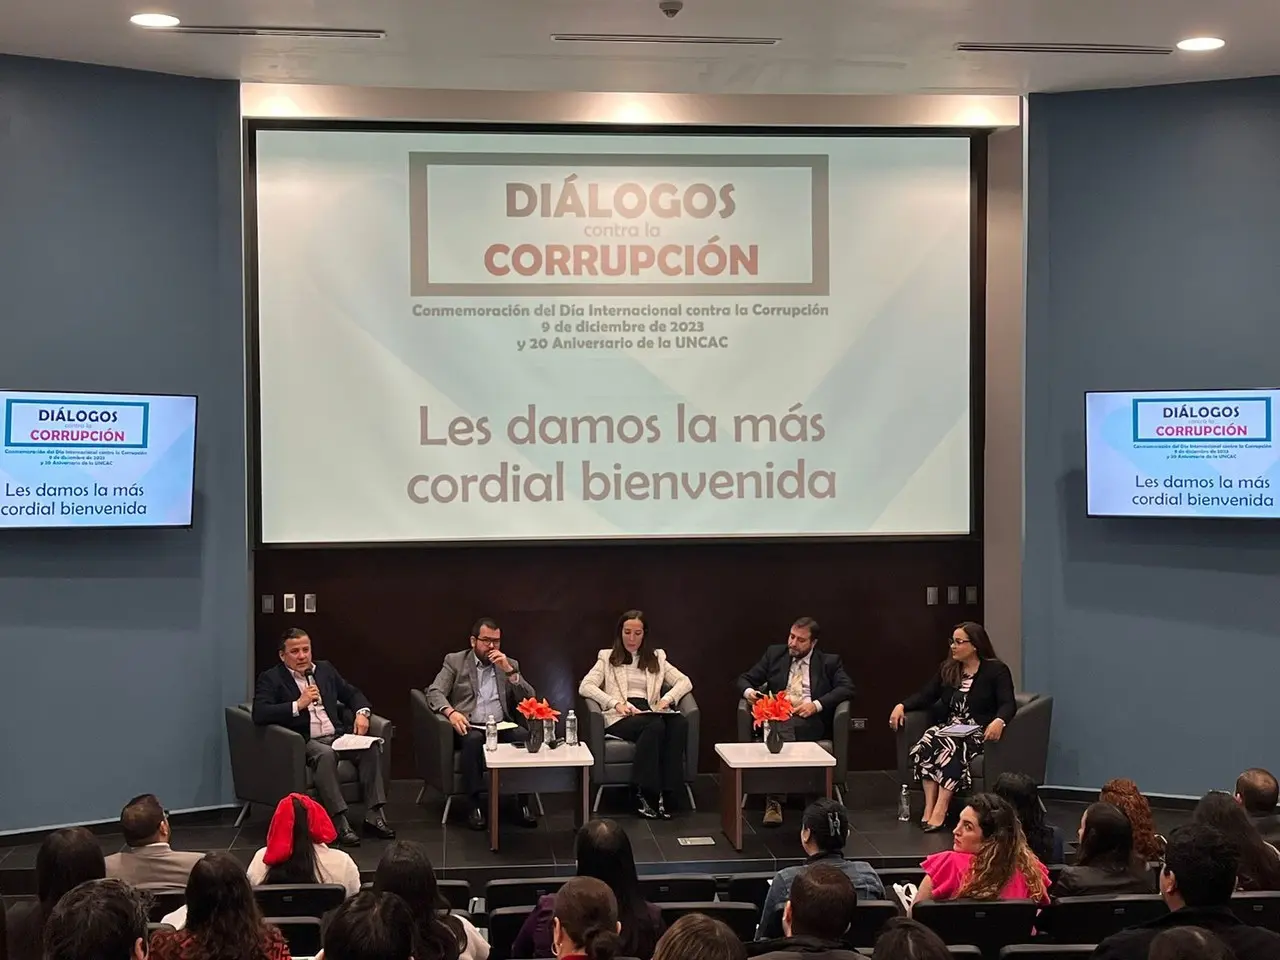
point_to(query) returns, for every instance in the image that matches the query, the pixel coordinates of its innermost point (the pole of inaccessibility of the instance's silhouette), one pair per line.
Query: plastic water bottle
(571, 730)
(904, 804)
(490, 733)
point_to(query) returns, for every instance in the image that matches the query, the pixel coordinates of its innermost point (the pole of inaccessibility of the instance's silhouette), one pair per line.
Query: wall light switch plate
(290, 603)
(953, 595)
(971, 595)
(308, 603)
(931, 596)
(268, 603)
(859, 723)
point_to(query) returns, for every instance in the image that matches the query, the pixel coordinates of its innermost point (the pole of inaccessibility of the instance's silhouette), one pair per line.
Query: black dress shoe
(475, 819)
(643, 807)
(348, 838)
(527, 819)
(377, 826)
(934, 827)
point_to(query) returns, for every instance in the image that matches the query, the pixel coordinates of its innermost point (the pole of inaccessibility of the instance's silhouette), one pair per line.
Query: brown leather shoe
(772, 813)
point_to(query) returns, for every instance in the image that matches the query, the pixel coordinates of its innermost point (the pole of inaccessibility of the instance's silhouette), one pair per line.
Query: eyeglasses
(491, 641)
(958, 643)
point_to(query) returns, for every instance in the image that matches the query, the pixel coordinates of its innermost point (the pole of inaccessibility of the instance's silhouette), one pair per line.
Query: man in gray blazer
(472, 685)
(149, 861)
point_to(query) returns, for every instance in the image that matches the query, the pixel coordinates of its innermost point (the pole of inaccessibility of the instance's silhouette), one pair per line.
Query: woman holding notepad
(971, 699)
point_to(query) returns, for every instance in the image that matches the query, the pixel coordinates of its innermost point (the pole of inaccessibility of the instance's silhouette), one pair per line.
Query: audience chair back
(1048, 951)
(163, 904)
(750, 887)
(1260, 909)
(504, 924)
(301, 933)
(741, 918)
(299, 899)
(519, 893)
(869, 919)
(987, 924)
(678, 887)
(1093, 919)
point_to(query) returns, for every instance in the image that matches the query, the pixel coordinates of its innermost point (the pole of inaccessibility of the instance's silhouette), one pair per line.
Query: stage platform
(547, 850)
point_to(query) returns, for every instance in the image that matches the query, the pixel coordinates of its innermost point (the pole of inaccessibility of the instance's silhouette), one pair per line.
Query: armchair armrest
(267, 762)
(745, 721)
(1024, 748)
(689, 707)
(917, 722)
(432, 744)
(384, 728)
(594, 735)
(840, 741)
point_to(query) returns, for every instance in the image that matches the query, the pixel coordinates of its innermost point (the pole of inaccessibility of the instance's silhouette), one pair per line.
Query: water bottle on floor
(490, 733)
(571, 730)
(904, 805)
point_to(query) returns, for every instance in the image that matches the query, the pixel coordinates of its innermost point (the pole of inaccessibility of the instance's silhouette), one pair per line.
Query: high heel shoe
(935, 827)
(643, 807)
(663, 812)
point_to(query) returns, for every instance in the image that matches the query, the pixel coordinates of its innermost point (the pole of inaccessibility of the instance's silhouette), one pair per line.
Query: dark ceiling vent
(313, 33)
(662, 38)
(1122, 49)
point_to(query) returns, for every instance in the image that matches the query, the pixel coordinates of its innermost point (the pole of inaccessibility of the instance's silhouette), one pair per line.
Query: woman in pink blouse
(989, 860)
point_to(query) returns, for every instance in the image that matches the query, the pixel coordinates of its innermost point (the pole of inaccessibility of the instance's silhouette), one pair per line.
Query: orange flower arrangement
(775, 707)
(531, 709)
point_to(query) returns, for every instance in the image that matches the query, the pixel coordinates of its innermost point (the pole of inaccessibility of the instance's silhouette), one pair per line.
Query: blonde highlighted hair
(1004, 853)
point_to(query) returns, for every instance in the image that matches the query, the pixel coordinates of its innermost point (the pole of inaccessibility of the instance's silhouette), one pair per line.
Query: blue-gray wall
(1153, 263)
(120, 266)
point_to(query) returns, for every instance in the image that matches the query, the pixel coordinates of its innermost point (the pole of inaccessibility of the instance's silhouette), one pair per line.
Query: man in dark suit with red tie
(312, 699)
(815, 682)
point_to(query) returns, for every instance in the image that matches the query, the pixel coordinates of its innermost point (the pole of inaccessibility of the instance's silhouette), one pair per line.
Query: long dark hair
(66, 859)
(1020, 790)
(1107, 840)
(1004, 853)
(904, 939)
(301, 865)
(646, 658)
(405, 870)
(223, 918)
(603, 850)
(828, 824)
(952, 669)
(588, 915)
(1259, 866)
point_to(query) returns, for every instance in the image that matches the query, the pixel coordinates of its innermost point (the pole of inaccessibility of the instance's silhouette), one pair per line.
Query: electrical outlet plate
(971, 596)
(953, 595)
(290, 603)
(308, 603)
(931, 596)
(859, 723)
(268, 603)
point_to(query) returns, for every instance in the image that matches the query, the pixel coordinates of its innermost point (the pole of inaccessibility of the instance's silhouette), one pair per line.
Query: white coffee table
(736, 757)
(514, 756)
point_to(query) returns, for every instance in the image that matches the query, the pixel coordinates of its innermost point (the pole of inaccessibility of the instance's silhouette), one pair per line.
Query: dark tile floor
(548, 849)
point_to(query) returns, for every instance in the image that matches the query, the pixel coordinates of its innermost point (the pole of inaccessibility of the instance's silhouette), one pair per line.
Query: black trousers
(661, 740)
(323, 761)
(471, 747)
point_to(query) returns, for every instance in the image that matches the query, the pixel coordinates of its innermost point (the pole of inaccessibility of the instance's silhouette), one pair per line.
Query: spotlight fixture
(154, 21)
(1201, 44)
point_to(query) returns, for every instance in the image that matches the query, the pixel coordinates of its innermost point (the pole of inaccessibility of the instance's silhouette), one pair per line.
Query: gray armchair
(434, 756)
(804, 780)
(268, 762)
(613, 757)
(1024, 748)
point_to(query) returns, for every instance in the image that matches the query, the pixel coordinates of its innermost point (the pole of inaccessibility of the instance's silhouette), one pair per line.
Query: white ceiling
(827, 46)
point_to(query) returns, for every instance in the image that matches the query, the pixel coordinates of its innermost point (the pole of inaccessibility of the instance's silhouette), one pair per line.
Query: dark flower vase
(536, 728)
(773, 738)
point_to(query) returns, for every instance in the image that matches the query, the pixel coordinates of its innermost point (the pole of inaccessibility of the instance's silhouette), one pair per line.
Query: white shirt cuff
(295, 708)
(746, 694)
(816, 705)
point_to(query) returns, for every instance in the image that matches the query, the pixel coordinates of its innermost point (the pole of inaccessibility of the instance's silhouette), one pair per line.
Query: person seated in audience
(66, 858)
(1044, 839)
(815, 917)
(1188, 943)
(989, 859)
(98, 920)
(603, 850)
(1259, 863)
(149, 861)
(823, 834)
(905, 939)
(1105, 861)
(627, 680)
(585, 921)
(222, 920)
(1196, 881)
(971, 688)
(311, 698)
(405, 870)
(1258, 792)
(695, 936)
(298, 850)
(369, 926)
(1126, 795)
(815, 682)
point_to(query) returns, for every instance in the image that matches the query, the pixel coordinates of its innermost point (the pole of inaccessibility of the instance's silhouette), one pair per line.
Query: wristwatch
(364, 712)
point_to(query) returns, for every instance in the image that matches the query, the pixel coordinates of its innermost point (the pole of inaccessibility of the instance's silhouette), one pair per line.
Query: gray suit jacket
(155, 865)
(456, 685)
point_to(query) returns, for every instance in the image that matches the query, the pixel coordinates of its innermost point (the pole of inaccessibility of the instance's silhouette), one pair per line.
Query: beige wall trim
(303, 101)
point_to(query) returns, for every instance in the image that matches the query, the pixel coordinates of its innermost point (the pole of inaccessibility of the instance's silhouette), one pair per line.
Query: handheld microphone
(310, 676)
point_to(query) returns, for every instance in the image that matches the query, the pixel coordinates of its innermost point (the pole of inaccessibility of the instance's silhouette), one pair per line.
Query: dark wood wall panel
(388, 615)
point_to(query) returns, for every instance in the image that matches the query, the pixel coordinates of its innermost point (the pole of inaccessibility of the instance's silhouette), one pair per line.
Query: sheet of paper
(351, 741)
(959, 730)
(502, 725)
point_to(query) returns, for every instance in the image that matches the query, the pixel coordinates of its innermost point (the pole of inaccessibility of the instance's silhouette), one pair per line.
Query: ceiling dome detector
(154, 20)
(1201, 44)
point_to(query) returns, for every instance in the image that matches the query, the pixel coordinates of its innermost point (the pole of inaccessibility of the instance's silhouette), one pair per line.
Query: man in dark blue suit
(312, 699)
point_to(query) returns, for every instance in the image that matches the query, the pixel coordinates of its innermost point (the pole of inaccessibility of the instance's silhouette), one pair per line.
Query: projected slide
(96, 460)
(498, 336)
(1182, 453)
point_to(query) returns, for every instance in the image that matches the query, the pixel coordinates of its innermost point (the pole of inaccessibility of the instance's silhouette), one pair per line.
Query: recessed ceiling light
(154, 20)
(1201, 44)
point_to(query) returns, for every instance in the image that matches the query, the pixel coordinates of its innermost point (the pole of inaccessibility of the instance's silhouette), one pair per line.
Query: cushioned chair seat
(618, 751)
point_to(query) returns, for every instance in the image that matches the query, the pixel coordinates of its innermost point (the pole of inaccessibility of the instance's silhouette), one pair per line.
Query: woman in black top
(66, 859)
(1044, 839)
(971, 689)
(1259, 862)
(1106, 862)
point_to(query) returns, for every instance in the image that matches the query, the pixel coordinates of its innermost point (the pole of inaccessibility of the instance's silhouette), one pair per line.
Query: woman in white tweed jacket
(628, 680)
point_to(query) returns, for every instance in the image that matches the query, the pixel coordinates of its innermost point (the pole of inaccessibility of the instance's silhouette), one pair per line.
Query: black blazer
(990, 695)
(276, 691)
(829, 685)
(1086, 881)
